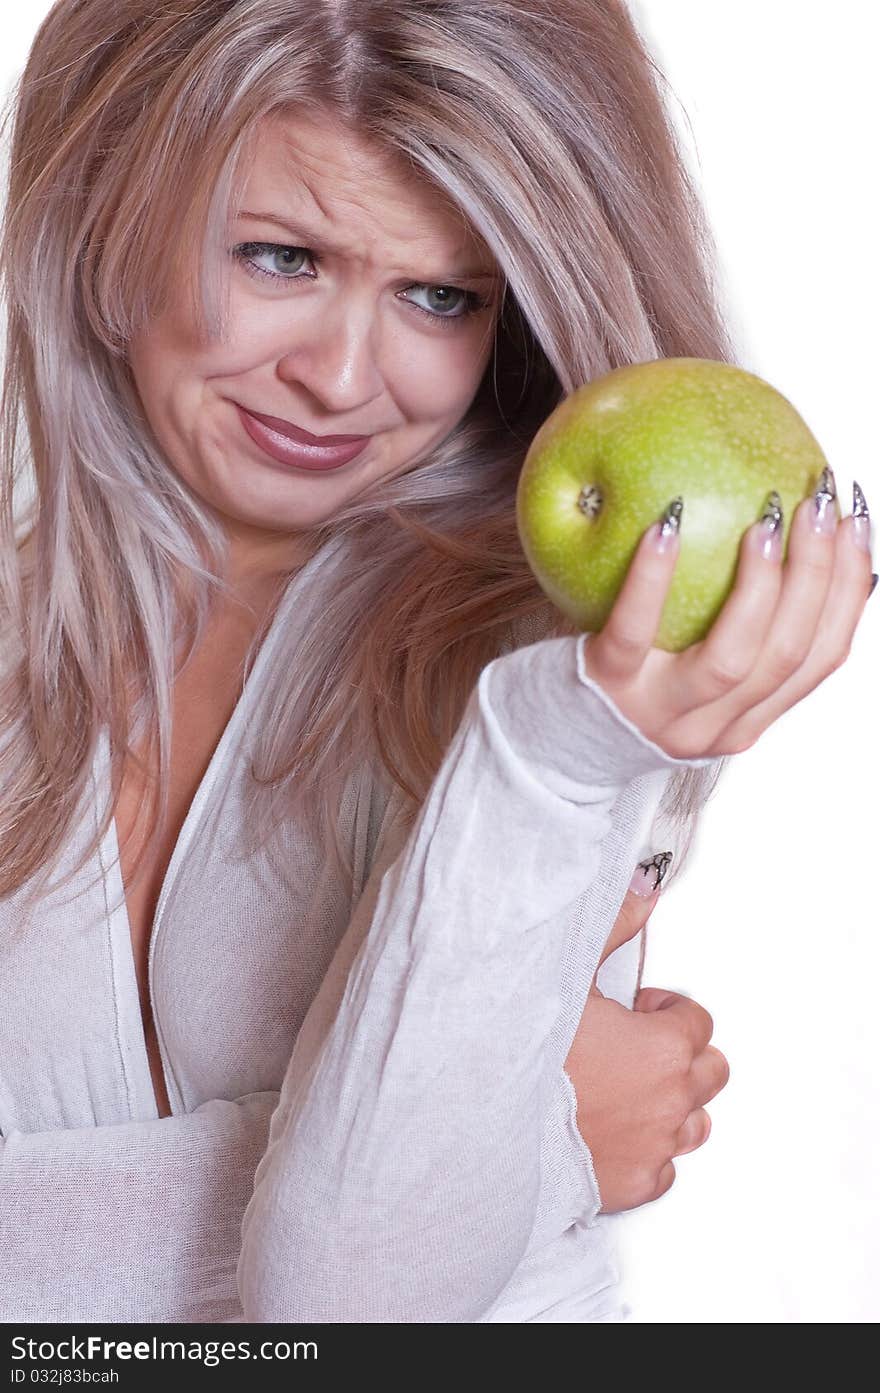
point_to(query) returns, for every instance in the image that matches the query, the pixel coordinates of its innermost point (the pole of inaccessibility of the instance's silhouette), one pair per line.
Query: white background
(775, 926)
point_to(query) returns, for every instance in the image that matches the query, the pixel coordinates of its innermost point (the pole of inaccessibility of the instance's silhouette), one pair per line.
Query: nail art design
(769, 536)
(824, 499)
(771, 518)
(657, 866)
(861, 519)
(670, 523)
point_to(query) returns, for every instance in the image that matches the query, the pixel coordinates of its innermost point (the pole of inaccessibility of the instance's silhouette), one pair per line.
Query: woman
(293, 969)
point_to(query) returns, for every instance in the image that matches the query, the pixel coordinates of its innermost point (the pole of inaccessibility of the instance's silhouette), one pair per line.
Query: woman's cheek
(258, 330)
(440, 379)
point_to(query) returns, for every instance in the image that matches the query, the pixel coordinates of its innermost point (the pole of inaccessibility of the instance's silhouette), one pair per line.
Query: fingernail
(873, 583)
(861, 519)
(669, 525)
(768, 534)
(648, 874)
(825, 503)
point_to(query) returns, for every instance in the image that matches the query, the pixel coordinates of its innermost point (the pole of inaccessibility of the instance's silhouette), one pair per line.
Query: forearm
(401, 1179)
(138, 1222)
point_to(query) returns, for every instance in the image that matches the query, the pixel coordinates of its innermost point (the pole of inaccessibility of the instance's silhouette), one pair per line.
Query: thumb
(638, 902)
(656, 999)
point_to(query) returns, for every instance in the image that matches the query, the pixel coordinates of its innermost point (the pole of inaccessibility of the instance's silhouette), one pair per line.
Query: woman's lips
(286, 444)
(296, 433)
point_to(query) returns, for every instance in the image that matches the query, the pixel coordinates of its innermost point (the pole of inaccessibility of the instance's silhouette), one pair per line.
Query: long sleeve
(402, 1172)
(139, 1221)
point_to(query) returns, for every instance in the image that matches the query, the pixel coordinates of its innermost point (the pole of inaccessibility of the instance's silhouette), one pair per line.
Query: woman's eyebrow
(316, 241)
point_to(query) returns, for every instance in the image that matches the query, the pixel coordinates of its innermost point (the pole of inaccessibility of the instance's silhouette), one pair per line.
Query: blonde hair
(544, 122)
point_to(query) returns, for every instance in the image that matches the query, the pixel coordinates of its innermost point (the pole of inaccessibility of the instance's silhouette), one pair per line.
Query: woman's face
(358, 307)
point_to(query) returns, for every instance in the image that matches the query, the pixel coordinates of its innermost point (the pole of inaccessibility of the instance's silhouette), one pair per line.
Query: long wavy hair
(545, 122)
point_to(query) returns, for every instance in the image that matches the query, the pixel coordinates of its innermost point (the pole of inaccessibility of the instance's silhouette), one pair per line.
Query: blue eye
(287, 256)
(248, 254)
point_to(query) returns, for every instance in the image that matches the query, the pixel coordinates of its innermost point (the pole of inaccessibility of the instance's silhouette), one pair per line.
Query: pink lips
(287, 444)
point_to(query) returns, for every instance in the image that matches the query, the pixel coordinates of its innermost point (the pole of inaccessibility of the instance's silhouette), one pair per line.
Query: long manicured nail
(825, 502)
(648, 874)
(768, 536)
(861, 519)
(669, 525)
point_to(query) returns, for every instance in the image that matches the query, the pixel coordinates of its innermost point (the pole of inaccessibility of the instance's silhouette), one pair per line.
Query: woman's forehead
(326, 178)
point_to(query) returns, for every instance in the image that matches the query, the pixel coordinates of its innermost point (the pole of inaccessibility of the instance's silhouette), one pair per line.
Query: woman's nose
(333, 354)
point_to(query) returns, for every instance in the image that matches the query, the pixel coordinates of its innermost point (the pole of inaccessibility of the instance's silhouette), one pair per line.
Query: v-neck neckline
(116, 905)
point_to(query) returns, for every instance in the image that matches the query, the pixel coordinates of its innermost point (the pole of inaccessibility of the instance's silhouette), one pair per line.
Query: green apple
(616, 451)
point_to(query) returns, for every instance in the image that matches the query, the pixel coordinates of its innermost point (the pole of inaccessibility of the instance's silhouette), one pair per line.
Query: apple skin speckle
(718, 435)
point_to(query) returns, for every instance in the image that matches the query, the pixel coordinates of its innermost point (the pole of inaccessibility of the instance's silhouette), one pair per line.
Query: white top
(371, 1118)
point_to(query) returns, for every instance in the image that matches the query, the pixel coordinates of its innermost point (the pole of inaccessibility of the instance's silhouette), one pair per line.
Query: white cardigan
(371, 1118)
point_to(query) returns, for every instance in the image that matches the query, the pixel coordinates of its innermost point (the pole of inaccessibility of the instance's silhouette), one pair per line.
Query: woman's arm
(143, 1220)
(137, 1222)
(401, 1177)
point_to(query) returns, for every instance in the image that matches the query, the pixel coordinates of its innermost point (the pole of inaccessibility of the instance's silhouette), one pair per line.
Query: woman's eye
(285, 264)
(282, 260)
(439, 297)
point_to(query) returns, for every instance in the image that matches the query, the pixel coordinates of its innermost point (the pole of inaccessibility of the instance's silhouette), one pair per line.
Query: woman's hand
(642, 1079)
(783, 629)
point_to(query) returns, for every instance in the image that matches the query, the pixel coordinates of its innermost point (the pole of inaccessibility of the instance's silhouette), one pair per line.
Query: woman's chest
(237, 956)
(230, 935)
(144, 860)
(148, 833)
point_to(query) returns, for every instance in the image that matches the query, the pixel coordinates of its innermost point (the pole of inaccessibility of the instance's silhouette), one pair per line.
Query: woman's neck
(260, 562)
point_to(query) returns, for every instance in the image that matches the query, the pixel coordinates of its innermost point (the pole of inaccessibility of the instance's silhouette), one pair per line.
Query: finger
(717, 667)
(844, 605)
(665, 1181)
(710, 1072)
(681, 1014)
(807, 576)
(634, 915)
(639, 901)
(653, 999)
(786, 634)
(617, 652)
(693, 1132)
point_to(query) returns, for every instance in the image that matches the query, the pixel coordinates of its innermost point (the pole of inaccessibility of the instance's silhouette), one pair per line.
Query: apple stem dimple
(590, 501)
